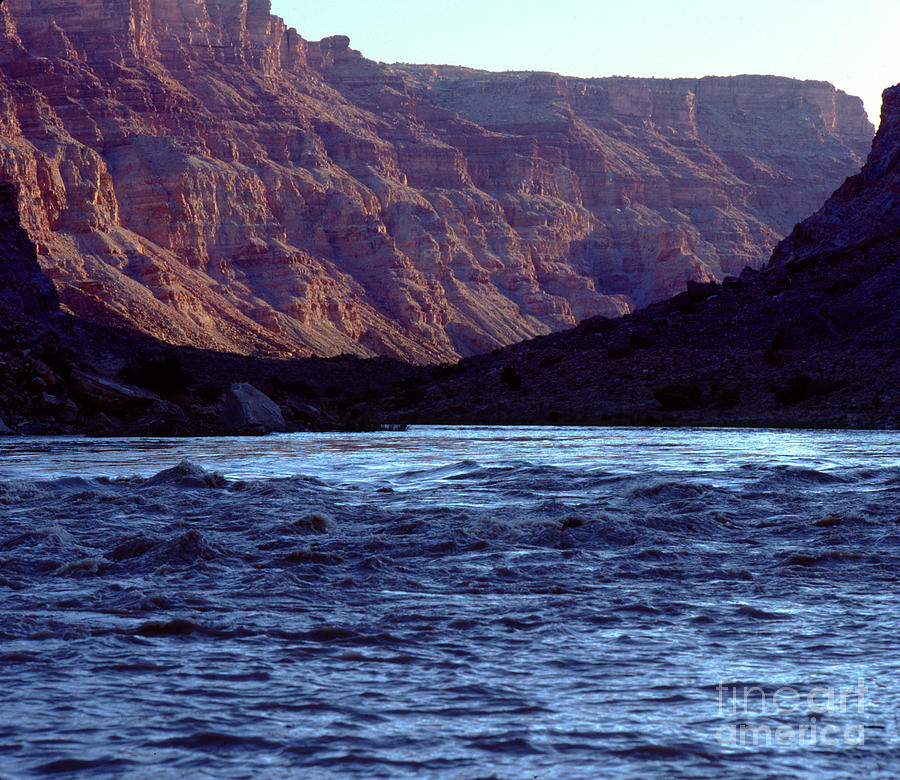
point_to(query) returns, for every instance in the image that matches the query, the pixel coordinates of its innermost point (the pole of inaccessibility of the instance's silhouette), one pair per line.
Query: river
(452, 603)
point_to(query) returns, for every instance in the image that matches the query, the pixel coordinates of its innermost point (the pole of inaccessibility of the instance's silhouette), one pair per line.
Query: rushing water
(446, 603)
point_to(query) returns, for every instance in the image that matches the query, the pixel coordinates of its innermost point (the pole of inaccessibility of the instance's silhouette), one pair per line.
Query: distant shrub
(413, 393)
(361, 417)
(797, 389)
(296, 387)
(58, 359)
(210, 393)
(801, 387)
(640, 341)
(728, 397)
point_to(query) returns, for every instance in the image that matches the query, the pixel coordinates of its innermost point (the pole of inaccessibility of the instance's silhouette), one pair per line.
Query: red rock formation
(24, 290)
(811, 340)
(197, 170)
(864, 210)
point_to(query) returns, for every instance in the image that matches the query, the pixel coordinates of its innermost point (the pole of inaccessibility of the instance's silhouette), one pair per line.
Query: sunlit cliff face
(201, 172)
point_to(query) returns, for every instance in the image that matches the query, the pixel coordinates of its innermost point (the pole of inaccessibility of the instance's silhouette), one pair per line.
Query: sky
(854, 44)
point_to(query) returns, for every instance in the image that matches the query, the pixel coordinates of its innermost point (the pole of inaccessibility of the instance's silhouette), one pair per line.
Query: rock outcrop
(864, 210)
(24, 288)
(60, 374)
(198, 171)
(107, 396)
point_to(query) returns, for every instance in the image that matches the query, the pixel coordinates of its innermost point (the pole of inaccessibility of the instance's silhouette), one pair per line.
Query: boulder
(68, 412)
(309, 415)
(106, 394)
(749, 275)
(48, 402)
(700, 291)
(103, 425)
(161, 418)
(249, 410)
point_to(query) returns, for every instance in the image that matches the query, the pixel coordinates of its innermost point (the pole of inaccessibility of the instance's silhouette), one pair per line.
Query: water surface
(482, 602)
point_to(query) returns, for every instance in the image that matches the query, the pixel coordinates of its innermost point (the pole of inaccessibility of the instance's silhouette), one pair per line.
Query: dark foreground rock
(250, 410)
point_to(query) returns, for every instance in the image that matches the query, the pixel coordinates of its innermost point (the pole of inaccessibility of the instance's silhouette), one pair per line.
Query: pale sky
(854, 44)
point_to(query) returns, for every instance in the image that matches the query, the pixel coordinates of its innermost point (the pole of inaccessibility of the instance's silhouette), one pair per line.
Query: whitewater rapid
(462, 603)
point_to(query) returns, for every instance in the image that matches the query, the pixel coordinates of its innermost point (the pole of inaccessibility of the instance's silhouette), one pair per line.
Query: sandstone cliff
(197, 170)
(864, 210)
(811, 340)
(24, 288)
(60, 374)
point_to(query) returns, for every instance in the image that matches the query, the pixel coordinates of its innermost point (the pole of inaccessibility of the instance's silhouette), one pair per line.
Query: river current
(452, 603)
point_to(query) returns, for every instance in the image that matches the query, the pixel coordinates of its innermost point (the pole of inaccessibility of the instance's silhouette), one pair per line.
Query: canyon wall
(863, 212)
(811, 340)
(24, 290)
(197, 170)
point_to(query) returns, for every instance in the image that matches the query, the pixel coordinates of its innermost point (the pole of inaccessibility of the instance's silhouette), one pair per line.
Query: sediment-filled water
(452, 603)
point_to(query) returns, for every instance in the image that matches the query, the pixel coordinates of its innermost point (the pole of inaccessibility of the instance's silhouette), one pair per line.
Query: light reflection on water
(446, 602)
(368, 455)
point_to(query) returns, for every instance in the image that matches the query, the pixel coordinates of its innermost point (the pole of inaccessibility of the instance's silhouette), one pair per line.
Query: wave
(187, 475)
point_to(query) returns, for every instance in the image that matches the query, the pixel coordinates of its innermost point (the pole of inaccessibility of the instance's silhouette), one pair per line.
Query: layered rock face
(864, 210)
(198, 171)
(811, 340)
(24, 289)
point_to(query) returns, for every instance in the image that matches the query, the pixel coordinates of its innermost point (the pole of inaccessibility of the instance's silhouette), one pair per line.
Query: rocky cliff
(24, 289)
(811, 340)
(864, 211)
(60, 374)
(198, 171)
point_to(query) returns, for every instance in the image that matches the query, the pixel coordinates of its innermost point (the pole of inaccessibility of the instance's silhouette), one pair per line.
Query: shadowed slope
(812, 340)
